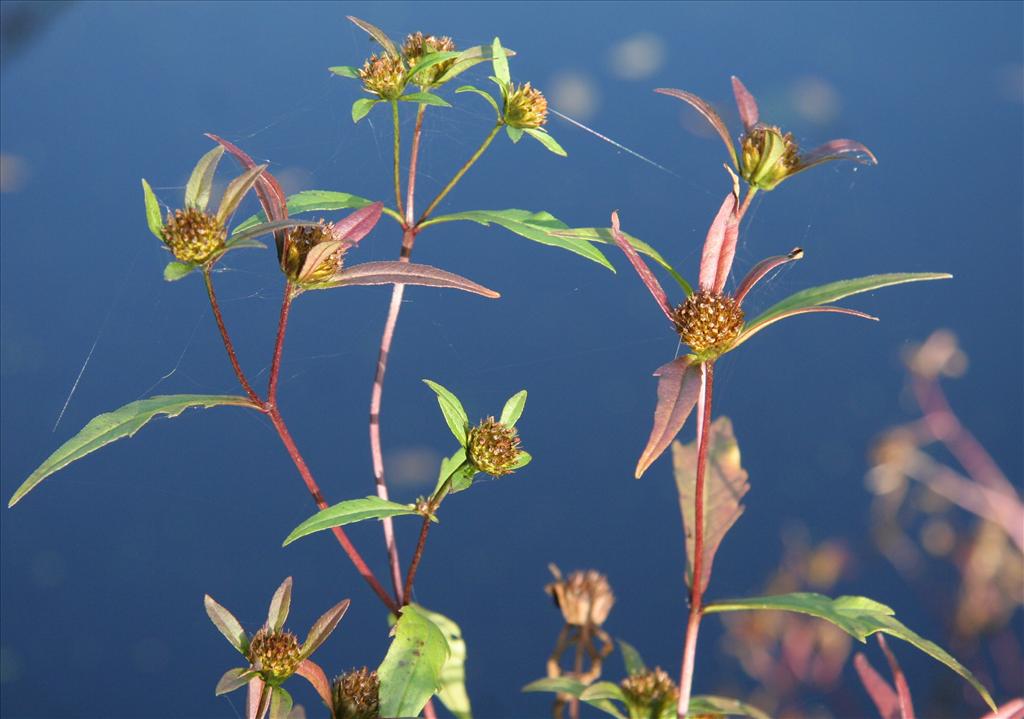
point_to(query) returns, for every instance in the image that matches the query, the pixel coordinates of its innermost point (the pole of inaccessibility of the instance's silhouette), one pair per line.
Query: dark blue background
(105, 565)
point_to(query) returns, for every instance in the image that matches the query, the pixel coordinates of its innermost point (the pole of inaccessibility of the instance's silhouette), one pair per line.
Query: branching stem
(462, 171)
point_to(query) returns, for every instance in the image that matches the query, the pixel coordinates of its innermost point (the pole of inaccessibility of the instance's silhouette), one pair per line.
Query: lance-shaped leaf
(244, 237)
(122, 422)
(280, 603)
(544, 137)
(376, 33)
(859, 617)
(485, 95)
(453, 674)
(836, 150)
(604, 235)
(499, 61)
(470, 57)
(233, 679)
(175, 271)
(348, 512)
(892, 703)
(411, 670)
(236, 190)
(323, 627)
(815, 299)
(513, 409)
(425, 98)
(632, 659)
(345, 71)
(646, 276)
(227, 625)
(153, 218)
(200, 182)
(454, 414)
(709, 113)
(762, 268)
(361, 108)
(280, 703)
(314, 674)
(461, 481)
(258, 700)
(357, 225)
(406, 273)
(315, 201)
(318, 253)
(725, 484)
(746, 104)
(719, 247)
(678, 389)
(899, 679)
(576, 688)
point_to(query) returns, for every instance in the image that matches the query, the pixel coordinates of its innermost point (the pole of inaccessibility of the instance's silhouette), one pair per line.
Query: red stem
(282, 326)
(416, 557)
(227, 341)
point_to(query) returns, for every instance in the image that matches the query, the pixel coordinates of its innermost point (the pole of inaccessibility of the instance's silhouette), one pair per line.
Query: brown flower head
(356, 695)
(276, 654)
(585, 597)
(493, 448)
(708, 321)
(327, 260)
(417, 46)
(525, 107)
(649, 693)
(194, 236)
(383, 75)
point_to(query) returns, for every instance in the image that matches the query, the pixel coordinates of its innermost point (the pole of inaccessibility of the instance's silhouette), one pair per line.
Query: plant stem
(414, 152)
(227, 340)
(282, 326)
(751, 191)
(458, 175)
(398, 155)
(432, 506)
(696, 589)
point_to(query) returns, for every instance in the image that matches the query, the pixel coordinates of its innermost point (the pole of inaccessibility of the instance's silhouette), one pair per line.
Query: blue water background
(105, 565)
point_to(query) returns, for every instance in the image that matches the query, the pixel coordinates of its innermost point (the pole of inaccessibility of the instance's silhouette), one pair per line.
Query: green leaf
(513, 409)
(153, 218)
(545, 139)
(603, 690)
(454, 415)
(573, 687)
(453, 674)
(233, 679)
(632, 659)
(425, 98)
(470, 57)
(345, 71)
(515, 134)
(604, 236)
(859, 617)
(227, 625)
(280, 604)
(197, 191)
(824, 294)
(377, 34)
(537, 226)
(481, 93)
(500, 62)
(122, 422)
(361, 107)
(280, 703)
(174, 271)
(411, 670)
(461, 481)
(348, 512)
(429, 61)
(715, 705)
(311, 201)
(522, 460)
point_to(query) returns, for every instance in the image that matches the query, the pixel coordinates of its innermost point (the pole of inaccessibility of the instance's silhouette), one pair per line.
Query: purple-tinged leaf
(357, 225)
(1013, 709)
(268, 189)
(233, 679)
(312, 673)
(906, 704)
(725, 484)
(880, 691)
(280, 703)
(200, 182)
(377, 34)
(745, 103)
(719, 247)
(648, 278)
(762, 268)
(279, 606)
(678, 388)
(836, 150)
(407, 273)
(227, 625)
(258, 699)
(709, 114)
(318, 253)
(323, 627)
(752, 329)
(236, 190)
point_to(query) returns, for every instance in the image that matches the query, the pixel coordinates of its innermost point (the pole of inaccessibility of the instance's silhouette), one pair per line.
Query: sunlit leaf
(513, 409)
(362, 106)
(469, 57)
(632, 659)
(709, 113)
(545, 139)
(515, 134)
(719, 247)
(461, 481)
(836, 150)
(859, 617)
(603, 690)
(454, 414)
(311, 201)
(725, 484)
(745, 102)
(425, 98)
(500, 62)
(122, 422)
(345, 71)
(280, 703)
(348, 512)
(227, 625)
(323, 627)
(429, 61)
(481, 93)
(523, 459)
(604, 235)
(200, 182)
(241, 238)
(319, 253)
(174, 271)
(453, 674)
(233, 679)
(393, 272)
(153, 218)
(314, 674)
(236, 190)
(762, 268)
(573, 687)
(678, 389)
(411, 670)
(280, 603)
(376, 33)
(358, 224)
(641, 268)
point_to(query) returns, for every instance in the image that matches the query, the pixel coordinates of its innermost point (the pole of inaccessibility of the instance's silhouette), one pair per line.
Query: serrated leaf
(236, 190)
(715, 705)
(411, 670)
(453, 674)
(153, 218)
(227, 625)
(631, 658)
(122, 422)
(725, 484)
(280, 703)
(348, 512)
(425, 98)
(233, 679)
(604, 236)
(483, 94)
(805, 300)
(500, 62)
(513, 409)
(174, 271)
(536, 226)
(515, 134)
(454, 414)
(545, 139)
(361, 107)
(345, 71)
(376, 33)
(280, 603)
(200, 182)
(859, 617)
(323, 627)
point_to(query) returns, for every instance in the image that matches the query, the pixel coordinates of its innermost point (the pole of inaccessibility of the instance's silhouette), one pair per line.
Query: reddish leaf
(233, 679)
(762, 268)
(746, 104)
(317, 254)
(725, 483)
(408, 273)
(751, 330)
(258, 700)
(836, 150)
(236, 190)
(902, 689)
(279, 606)
(268, 190)
(358, 224)
(323, 627)
(227, 624)
(646, 276)
(709, 114)
(678, 387)
(311, 672)
(719, 247)
(880, 691)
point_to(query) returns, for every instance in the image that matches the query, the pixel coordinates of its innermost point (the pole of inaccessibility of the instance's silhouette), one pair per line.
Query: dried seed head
(526, 107)
(708, 321)
(383, 75)
(417, 46)
(194, 236)
(769, 156)
(303, 239)
(585, 598)
(275, 654)
(493, 448)
(651, 692)
(355, 695)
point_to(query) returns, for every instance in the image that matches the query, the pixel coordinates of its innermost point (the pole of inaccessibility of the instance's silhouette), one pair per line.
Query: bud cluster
(417, 46)
(194, 236)
(525, 107)
(275, 653)
(356, 695)
(383, 75)
(493, 448)
(651, 692)
(708, 321)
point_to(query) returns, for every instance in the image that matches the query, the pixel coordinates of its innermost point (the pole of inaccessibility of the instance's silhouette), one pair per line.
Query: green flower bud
(417, 46)
(275, 655)
(194, 236)
(708, 322)
(493, 448)
(525, 107)
(769, 157)
(650, 693)
(356, 695)
(384, 76)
